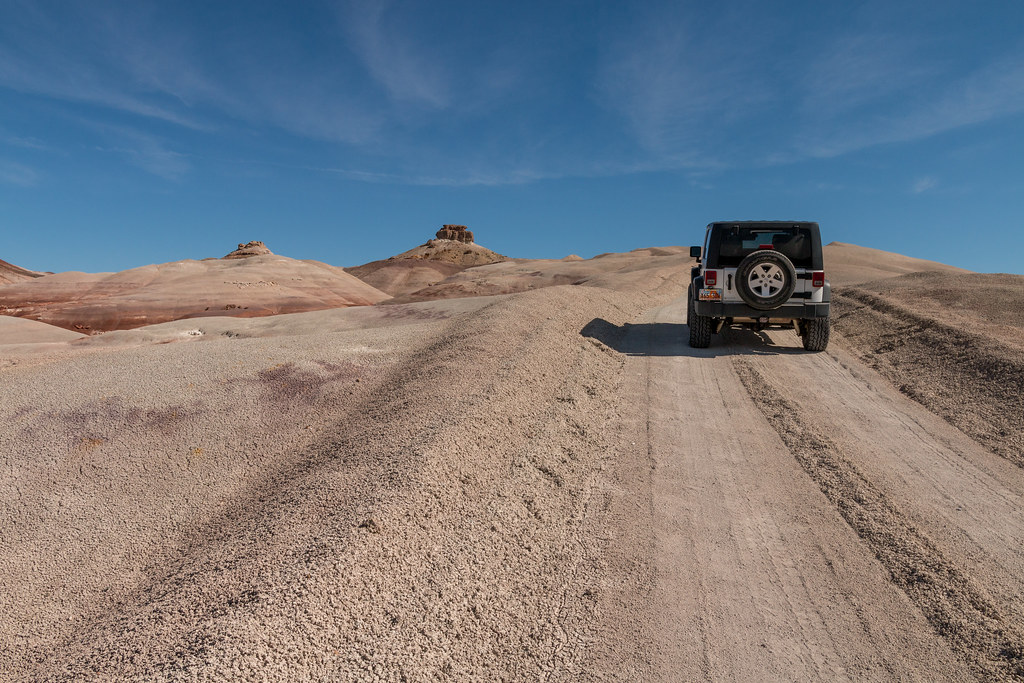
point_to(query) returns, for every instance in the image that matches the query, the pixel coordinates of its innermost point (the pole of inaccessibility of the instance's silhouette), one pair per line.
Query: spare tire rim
(766, 280)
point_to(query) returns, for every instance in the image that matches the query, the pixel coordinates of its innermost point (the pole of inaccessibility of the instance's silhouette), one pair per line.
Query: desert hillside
(450, 252)
(23, 331)
(519, 275)
(408, 278)
(848, 264)
(518, 471)
(10, 273)
(402, 276)
(256, 285)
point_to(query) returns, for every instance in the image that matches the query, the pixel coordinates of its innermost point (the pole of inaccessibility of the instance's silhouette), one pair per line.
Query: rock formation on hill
(453, 244)
(248, 249)
(457, 233)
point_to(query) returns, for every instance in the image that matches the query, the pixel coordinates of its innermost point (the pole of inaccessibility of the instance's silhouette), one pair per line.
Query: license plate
(710, 295)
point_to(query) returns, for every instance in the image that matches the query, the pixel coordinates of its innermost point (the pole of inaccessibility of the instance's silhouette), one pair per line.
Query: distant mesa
(250, 249)
(456, 233)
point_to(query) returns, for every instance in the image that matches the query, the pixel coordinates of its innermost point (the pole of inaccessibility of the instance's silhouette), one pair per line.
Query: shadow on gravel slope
(671, 339)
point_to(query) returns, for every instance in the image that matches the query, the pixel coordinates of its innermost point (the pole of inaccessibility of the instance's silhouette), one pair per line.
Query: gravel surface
(544, 485)
(404, 499)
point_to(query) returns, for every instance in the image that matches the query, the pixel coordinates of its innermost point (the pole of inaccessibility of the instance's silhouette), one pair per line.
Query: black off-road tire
(816, 332)
(700, 326)
(766, 262)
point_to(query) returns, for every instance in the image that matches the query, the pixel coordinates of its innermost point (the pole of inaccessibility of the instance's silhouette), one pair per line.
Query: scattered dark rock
(370, 525)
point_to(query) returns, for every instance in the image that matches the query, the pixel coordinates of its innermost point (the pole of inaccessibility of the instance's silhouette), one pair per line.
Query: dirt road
(809, 522)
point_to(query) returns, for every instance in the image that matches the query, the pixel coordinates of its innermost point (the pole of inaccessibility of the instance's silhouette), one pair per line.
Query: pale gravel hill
(519, 275)
(847, 264)
(844, 264)
(424, 265)
(397, 276)
(24, 331)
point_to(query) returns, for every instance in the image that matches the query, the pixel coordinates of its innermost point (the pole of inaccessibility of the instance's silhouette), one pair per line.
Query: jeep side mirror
(695, 252)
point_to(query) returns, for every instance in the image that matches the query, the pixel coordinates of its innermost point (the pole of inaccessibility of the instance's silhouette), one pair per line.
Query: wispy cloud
(694, 94)
(465, 177)
(143, 150)
(858, 69)
(406, 70)
(157, 160)
(78, 82)
(129, 59)
(921, 110)
(314, 108)
(924, 184)
(678, 90)
(381, 91)
(87, 56)
(13, 173)
(25, 143)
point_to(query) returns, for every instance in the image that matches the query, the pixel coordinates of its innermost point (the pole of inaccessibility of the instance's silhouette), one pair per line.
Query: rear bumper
(803, 311)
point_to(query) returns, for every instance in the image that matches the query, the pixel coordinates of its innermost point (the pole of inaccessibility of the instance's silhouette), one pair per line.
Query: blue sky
(141, 132)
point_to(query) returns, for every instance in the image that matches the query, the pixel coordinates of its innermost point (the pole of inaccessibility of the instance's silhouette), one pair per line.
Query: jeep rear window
(737, 242)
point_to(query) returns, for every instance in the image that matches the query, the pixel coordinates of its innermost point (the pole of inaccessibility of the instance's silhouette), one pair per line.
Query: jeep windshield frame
(730, 243)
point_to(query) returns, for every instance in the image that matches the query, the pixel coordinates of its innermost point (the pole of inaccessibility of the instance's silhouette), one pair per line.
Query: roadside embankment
(951, 342)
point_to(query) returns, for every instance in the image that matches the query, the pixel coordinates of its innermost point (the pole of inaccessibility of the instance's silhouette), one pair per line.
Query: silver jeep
(759, 274)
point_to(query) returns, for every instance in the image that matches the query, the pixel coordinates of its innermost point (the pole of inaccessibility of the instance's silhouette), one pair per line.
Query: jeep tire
(700, 325)
(765, 279)
(815, 334)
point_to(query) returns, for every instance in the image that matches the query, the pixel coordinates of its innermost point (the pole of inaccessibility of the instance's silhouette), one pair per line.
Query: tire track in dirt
(959, 610)
(746, 571)
(968, 500)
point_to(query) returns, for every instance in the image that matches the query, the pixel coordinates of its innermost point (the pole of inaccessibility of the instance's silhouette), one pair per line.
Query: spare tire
(765, 279)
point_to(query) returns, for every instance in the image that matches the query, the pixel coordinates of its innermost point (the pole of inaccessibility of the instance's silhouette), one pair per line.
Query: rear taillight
(818, 278)
(710, 278)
